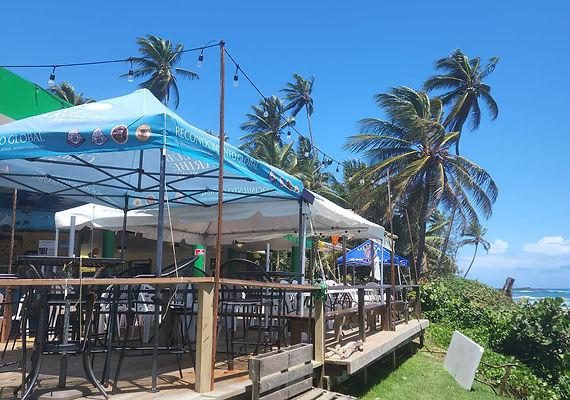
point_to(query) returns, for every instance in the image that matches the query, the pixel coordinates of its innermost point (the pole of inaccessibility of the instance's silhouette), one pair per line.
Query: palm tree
(298, 96)
(158, 61)
(464, 86)
(311, 171)
(67, 92)
(281, 156)
(475, 236)
(413, 145)
(265, 119)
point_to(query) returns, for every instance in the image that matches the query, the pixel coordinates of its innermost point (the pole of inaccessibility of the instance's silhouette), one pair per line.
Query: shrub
(534, 336)
(539, 336)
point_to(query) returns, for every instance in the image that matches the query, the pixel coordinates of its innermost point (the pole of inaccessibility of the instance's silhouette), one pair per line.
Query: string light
(337, 167)
(236, 77)
(131, 74)
(362, 181)
(200, 59)
(51, 80)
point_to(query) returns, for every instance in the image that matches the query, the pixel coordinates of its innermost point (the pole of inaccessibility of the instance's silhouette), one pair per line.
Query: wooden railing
(204, 324)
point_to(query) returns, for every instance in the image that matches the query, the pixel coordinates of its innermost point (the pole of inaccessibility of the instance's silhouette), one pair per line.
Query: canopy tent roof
(360, 256)
(109, 153)
(254, 221)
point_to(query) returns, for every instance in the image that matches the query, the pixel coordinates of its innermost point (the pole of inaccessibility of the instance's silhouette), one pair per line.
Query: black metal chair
(132, 302)
(254, 305)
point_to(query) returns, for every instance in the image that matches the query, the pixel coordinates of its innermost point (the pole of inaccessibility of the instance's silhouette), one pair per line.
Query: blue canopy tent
(128, 152)
(360, 256)
(132, 153)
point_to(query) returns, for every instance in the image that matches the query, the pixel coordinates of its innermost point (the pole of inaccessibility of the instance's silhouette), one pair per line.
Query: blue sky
(355, 49)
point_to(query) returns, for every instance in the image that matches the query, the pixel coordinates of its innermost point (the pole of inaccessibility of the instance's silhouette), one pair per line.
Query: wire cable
(100, 62)
(258, 90)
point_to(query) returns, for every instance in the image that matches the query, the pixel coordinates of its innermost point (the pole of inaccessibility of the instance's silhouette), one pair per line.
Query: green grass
(420, 376)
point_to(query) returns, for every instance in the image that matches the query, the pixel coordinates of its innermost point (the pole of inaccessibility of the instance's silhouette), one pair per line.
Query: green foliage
(539, 335)
(533, 336)
(158, 64)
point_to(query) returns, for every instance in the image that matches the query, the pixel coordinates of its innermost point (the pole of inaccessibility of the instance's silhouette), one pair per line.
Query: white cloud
(550, 245)
(499, 246)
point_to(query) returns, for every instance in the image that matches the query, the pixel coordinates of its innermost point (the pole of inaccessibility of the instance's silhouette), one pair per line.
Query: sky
(354, 50)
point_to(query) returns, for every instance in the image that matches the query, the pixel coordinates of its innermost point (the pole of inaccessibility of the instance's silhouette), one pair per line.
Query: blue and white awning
(109, 151)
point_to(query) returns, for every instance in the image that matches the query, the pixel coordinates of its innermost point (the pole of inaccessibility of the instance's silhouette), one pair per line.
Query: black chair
(130, 304)
(255, 305)
(56, 332)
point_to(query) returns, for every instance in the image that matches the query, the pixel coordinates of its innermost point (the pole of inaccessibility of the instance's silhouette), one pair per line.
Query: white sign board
(462, 359)
(46, 248)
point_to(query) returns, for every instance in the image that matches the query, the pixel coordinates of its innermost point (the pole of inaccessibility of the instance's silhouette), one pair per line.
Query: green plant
(539, 335)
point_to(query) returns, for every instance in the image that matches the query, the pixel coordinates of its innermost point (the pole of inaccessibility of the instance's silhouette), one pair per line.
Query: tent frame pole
(158, 272)
(344, 267)
(124, 231)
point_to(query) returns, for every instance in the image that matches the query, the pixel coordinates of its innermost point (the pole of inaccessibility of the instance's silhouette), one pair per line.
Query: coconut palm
(281, 156)
(158, 62)
(66, 91)
(298, 95)
(475, 235)
(463, 84)
(413, 145)
(313, 173)
(265, 119)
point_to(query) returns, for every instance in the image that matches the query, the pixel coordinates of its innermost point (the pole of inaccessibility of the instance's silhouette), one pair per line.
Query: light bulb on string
(200, 59)
(362, 181)
(51, 80)
(337, 167)
(236, 77)
(289, 136)
(131, 74)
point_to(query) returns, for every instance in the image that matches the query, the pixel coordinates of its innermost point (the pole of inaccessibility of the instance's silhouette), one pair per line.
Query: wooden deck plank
(379, 345)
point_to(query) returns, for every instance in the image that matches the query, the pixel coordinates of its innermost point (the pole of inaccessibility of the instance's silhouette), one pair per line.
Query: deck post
(320, 336)
(418, 304)
(386, 315)
(204, 339)
(361, 315)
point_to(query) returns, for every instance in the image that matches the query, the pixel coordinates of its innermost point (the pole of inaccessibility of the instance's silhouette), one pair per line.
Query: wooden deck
(377, 345)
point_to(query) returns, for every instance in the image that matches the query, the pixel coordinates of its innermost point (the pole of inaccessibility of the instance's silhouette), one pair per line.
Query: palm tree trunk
(310, 129)
(472, 260)
(446, 242)
(423, 223)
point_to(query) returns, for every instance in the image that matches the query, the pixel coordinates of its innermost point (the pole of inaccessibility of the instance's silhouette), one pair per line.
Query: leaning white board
(462, 359)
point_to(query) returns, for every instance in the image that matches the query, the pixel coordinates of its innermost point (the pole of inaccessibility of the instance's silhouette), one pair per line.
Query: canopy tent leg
(158, 273)
(267, 256)
(124, 231)
(344, 267)
(382, 300)
(71, 249)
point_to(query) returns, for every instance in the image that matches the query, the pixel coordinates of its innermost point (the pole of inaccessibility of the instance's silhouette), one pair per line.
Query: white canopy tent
(257, 221)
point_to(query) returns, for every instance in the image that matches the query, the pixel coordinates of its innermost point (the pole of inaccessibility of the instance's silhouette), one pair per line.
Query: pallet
(321, 394)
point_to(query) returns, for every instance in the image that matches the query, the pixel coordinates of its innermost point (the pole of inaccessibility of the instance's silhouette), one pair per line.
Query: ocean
(536, 294)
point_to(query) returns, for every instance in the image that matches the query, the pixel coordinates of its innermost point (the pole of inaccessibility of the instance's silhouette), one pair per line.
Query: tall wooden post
(392, 255)
(319, 338)
(220, 210)
(204, 343)
(7, 316)
(344, 267)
